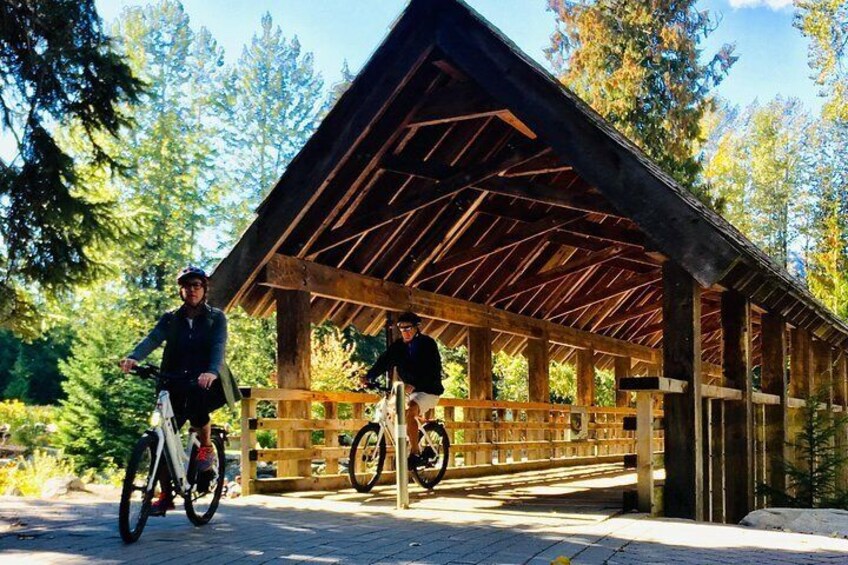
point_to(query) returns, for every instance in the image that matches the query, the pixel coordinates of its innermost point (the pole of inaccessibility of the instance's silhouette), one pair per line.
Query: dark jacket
(418, 363)
(192, 349)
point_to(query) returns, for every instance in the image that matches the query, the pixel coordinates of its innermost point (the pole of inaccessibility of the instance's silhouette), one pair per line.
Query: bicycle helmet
(192, 271)
(409, 318)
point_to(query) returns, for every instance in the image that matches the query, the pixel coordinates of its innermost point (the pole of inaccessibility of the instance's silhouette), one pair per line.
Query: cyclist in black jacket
(419, 365)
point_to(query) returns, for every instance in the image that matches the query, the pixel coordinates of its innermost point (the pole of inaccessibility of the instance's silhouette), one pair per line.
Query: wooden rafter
(545, 194)
(524, 233)
(607, 233)
(628, 285)
(455, 102)
(543, 278)
(457, 182)
(545, 164)
(650, 308)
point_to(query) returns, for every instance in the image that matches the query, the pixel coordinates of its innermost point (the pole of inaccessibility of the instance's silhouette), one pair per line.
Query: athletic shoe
(161, 505)
(207, 459)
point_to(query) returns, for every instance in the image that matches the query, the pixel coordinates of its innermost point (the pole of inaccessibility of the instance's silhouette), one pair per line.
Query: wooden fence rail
(487, 437)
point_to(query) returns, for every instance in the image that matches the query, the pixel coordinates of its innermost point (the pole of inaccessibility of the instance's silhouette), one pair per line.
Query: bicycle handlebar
(154, 373)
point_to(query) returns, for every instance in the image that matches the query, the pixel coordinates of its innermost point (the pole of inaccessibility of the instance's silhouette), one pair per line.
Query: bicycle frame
(384, 416)
(163, 424)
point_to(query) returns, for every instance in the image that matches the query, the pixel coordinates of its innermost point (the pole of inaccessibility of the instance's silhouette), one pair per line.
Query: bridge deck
(526, 518)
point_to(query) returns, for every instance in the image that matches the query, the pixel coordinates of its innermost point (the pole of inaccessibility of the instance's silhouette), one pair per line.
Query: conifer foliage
(818, 461)
(56, 66)
(636, 62)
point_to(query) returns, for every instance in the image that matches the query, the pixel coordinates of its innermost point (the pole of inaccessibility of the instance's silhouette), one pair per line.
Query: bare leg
(412, 412)
(204, 435)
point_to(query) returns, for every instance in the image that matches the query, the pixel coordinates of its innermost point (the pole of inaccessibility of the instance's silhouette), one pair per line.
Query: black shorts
(194, 404)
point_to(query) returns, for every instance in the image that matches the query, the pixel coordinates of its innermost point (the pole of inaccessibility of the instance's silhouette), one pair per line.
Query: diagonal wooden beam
(631, 284)
(545, 194)
(548, 163)
(551, 275)
(521, 235)
(706, 330)
(608, 233)
(456, 102)
(457, 182)
(650, 308)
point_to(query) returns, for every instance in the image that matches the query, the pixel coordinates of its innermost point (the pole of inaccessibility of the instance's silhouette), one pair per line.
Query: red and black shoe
(161, 505)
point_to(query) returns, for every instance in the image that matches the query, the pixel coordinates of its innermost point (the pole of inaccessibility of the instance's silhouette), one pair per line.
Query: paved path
(537, 518)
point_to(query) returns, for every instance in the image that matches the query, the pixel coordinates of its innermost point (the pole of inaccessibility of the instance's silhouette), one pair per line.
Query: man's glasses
(194, 285)
(405, 329)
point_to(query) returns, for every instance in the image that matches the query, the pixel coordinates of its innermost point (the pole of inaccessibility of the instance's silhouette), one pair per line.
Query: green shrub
(30, 427)
(28, 474)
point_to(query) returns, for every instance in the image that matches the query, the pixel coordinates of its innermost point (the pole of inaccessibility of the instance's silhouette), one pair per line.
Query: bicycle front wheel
(137, 491)
(367, 456)
(434, 447)
(206, 487)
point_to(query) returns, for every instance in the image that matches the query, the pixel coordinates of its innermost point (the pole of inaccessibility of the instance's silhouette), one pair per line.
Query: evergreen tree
(34, 376)
(636, 63)
(274, 98)
(56, 66)
(812, 477)
(173, 192)
(105, 411)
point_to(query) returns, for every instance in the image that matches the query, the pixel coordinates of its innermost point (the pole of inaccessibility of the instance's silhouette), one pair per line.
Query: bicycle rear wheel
(435, 451)
(367, 456)
(137, 494)
(202, 502)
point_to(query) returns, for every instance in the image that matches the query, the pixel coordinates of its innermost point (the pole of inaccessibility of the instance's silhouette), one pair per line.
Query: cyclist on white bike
(195, 337)
(419, 365)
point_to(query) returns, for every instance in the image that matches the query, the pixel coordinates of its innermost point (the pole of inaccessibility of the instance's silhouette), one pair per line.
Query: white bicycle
(368, 450)
(201, 491)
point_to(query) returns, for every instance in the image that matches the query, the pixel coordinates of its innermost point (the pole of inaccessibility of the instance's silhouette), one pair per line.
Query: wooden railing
(487, 437)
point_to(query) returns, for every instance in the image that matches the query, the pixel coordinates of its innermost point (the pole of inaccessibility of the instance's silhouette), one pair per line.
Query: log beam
(328, 282)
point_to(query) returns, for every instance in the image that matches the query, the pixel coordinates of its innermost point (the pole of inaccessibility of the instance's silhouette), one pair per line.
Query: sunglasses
(195, 285)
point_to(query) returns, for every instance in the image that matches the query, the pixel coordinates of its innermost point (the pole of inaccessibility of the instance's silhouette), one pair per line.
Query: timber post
(293, 372)
(773, 379)
(683, 496)
(538, 368)
(735, 321)
(480, 387)
(622, 368)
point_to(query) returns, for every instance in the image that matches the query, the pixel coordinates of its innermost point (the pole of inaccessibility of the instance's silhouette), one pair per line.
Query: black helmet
(409, 318)
(192, 271)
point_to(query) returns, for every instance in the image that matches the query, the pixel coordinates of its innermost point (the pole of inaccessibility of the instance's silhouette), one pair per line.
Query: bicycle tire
(430, 476)
(195, 512)
(358, 449)
(130, 523)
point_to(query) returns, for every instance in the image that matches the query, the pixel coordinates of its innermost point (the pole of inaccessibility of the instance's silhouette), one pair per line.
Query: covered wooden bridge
(459, 179)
